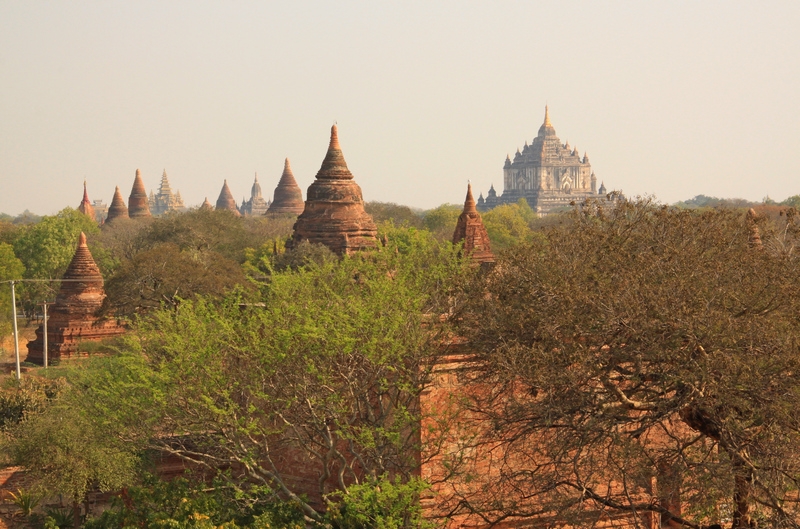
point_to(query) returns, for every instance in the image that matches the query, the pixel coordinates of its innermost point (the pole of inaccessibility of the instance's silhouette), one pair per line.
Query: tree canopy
(644, 359)
(328, 365)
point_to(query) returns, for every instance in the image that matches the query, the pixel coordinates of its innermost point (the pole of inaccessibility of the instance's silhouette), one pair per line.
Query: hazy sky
(668, 98)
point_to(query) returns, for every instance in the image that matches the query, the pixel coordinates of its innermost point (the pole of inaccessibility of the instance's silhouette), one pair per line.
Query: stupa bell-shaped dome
(138, 205)
(117, 209)
(288, 198)
(334, 212)
(226, 200)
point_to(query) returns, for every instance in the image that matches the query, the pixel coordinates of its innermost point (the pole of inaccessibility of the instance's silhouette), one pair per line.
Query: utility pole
(16, 331)
(44, 335)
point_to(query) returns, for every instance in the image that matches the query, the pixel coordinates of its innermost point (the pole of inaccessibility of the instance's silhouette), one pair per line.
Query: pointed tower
(334, 212)
(288, 198)
(471, 230)
(226, 200)
(206, 205)
(754, 237)
(86, 205)
(256, 205)
(117, 210)
(138, 205)
(73, 317)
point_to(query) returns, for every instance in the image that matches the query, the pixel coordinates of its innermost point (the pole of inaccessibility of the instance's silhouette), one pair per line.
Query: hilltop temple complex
(73, 317)
(334, 212)
(549, 175)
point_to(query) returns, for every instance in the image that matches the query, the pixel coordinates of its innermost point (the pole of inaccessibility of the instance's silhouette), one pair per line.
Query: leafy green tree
(196, 504)
(792, 201)
(641, 360)
(441, 221)
(379, 504)
(703, 201)
(330, 368)
(165, 275)
(10, 268)
(394, 213)
(46, 249)
(509, 224)
(66, 453)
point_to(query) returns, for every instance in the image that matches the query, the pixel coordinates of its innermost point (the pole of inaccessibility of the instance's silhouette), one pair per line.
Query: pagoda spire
(547, 117)
(469, 202)
(86, 205)
(471, 230)
(333, 166)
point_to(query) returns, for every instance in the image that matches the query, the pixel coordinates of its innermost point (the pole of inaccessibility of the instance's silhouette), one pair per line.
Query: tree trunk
(76, 514)
(741, 503)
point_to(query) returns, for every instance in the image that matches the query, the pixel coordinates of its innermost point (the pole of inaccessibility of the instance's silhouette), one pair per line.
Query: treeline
(703, 201)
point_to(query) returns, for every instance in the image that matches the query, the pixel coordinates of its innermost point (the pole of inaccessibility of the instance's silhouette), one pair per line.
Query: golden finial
(547, 117)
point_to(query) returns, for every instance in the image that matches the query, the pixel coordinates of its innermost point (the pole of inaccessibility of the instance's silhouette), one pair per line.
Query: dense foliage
(650, 355)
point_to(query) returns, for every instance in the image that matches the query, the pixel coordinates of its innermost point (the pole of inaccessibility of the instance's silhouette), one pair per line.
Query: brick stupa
(138, 205)
(226, 200)
(117, 209)
(471, 230)
(334, 211)
(86, 205)
(206, 205)
(73, 317)
(288, 197)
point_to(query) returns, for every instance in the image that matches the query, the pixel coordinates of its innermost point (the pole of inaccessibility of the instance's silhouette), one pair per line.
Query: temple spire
(471, 230)
(86, 206)
(469, 202)
(333, 166)
(547, 117)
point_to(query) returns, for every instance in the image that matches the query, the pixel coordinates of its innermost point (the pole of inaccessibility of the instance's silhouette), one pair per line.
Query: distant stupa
(226, 200)
(117, 209)
(288, 198)
(138, 204)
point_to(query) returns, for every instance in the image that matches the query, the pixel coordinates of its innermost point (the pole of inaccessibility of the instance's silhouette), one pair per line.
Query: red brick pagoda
(73, 318)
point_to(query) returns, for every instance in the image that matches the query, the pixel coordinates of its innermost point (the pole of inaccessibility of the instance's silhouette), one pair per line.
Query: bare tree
(635, 362)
